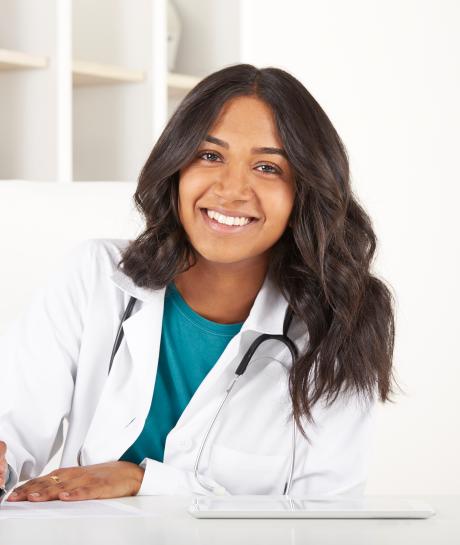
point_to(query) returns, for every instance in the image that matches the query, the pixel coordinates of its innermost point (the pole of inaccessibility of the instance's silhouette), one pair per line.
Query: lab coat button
(185, 445)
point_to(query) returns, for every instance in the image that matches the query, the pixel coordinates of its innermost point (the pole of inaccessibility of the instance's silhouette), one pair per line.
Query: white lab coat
(54, 359)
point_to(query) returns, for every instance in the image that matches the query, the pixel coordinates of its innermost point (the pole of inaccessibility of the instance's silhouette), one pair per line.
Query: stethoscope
(239, 371)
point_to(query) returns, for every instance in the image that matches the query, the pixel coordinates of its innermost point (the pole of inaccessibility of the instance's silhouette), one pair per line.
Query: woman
(245, 143)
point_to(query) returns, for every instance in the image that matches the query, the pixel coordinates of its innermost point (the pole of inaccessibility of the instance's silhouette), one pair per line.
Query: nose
(233, 183)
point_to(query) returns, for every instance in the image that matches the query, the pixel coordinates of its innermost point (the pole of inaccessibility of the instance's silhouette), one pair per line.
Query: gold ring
(55, 478)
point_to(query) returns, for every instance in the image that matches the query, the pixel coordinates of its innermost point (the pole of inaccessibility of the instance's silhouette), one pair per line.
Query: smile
(215, 226)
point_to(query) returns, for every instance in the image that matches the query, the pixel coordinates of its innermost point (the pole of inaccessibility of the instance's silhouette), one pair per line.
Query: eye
(203, 153)
(212, 154)
(273, 171)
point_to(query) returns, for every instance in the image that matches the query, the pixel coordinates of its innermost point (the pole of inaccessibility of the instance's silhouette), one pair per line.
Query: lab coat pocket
(242, 472)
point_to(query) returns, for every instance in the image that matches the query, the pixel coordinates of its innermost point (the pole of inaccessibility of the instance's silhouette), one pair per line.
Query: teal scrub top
(190, 346)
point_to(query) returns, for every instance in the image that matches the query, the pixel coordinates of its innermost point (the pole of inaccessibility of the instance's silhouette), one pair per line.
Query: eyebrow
(265, 149)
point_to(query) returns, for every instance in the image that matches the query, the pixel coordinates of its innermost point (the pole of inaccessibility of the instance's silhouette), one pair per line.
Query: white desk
(177, 527)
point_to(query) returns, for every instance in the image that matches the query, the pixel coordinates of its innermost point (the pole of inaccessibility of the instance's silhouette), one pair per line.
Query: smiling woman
(252, 236)
(254, 142)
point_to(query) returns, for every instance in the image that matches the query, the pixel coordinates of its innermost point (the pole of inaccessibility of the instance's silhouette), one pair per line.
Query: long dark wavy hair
(322, 261)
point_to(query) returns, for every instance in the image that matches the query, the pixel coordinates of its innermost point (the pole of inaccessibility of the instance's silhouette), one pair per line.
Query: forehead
(247, 117)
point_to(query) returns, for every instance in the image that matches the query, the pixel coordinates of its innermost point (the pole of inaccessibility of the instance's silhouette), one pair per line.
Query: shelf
(11, 60)
(90, 73)
(181, 82)
(104, 94)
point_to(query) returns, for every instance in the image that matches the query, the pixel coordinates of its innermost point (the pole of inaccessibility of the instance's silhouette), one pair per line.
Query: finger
(45, 489)
(21, 492)
(47, 494)
(34, 488)
(44, 482)
(2, 449)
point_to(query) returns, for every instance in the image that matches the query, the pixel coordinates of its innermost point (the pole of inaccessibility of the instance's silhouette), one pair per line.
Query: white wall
(387, 74)
(41, 221)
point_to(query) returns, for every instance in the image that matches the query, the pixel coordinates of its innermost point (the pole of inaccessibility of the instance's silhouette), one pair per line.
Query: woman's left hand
(108, 480)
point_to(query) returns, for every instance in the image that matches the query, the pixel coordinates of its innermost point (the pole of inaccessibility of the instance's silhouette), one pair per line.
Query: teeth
(227, 220)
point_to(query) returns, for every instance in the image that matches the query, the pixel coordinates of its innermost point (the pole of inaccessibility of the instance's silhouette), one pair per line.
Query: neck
(222, 292)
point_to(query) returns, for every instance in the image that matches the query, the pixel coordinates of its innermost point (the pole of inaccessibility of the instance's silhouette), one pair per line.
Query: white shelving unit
(91, 73)
(85, 89)
(10, 60)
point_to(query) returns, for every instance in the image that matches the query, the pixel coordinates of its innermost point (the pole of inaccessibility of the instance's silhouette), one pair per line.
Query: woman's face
(231, 174)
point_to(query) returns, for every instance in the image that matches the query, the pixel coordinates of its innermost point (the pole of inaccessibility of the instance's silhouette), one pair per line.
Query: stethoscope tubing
(239, 371)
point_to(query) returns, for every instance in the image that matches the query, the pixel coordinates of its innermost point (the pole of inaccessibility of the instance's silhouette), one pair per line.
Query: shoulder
(85, 266)
(97, 254)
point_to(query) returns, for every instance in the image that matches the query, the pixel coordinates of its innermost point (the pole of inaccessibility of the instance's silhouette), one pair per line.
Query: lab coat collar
(266, 315)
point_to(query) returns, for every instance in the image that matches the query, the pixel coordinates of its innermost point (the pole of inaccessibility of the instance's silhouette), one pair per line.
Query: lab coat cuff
(160, 479)
(163, 479)
(12, 477)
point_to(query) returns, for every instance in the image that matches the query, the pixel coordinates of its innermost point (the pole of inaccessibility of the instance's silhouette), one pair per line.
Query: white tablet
(368, 507)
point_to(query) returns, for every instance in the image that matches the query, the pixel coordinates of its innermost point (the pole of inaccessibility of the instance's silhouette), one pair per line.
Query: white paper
(74, 509)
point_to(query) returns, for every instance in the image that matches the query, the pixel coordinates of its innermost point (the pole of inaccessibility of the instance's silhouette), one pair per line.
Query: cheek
(189, 193)
(278, 207)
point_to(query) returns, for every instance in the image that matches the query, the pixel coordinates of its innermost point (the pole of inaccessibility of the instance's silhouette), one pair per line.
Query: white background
(387, 75)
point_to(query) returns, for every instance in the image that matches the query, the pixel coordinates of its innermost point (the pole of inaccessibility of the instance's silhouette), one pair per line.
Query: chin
(219, 256)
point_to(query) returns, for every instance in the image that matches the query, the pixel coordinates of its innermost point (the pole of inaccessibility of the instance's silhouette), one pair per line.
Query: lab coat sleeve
(38, 358)
(337, 462)
(164, 479)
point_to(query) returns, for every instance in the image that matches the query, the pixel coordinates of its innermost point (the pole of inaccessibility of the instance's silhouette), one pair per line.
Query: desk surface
(176, 527)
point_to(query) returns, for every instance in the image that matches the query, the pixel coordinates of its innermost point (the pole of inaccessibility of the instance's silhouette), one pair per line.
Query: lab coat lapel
(127, 393)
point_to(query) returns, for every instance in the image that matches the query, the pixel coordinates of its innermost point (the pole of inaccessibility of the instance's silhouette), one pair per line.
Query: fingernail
(13, 494)
(34, 494)
(64, 494)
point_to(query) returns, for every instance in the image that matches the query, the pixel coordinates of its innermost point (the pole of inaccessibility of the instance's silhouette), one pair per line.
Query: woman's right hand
(3, 464)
